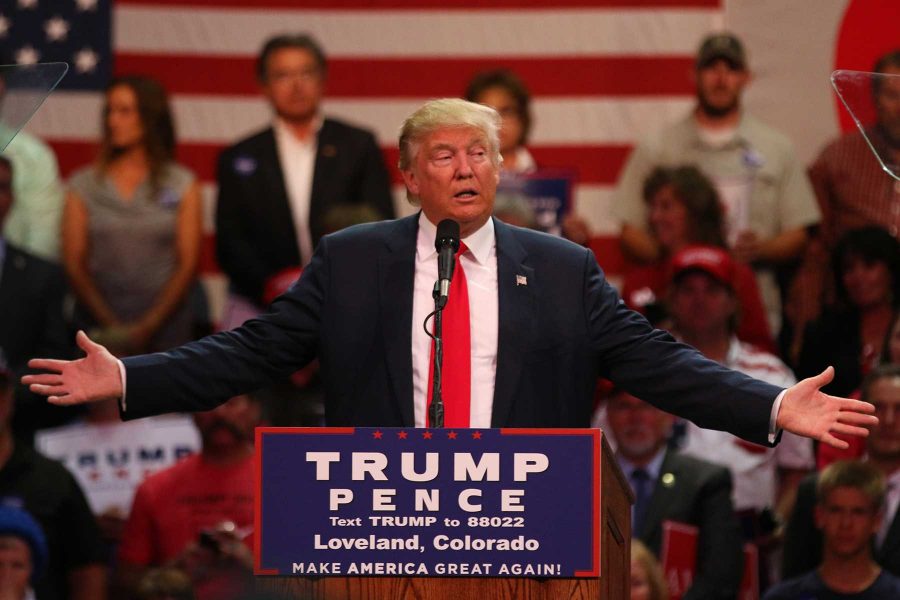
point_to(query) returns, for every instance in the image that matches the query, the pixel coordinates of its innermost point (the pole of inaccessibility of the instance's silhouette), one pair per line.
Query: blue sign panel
(428, 502)
(548, 193)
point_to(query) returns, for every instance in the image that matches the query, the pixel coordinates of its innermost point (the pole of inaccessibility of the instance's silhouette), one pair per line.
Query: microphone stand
(436, 410)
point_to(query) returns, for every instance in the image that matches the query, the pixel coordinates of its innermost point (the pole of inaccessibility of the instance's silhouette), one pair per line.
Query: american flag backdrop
(603, 73)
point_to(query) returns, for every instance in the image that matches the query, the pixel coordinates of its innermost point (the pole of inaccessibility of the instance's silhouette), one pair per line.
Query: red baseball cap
(714, 261)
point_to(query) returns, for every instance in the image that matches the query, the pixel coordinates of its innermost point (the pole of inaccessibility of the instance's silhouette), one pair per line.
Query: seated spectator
(849, 336)
(198, 514)
(504, 91)
(849, 501)
(683, 209)
(647, 580)
(31, 302)
(132, 226)
(802, 541)
(76, 559)
(23, 554)
(703, 307)
(671, 486)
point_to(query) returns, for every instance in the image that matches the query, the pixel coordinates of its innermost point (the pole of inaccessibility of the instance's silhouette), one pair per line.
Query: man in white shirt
(559, 325)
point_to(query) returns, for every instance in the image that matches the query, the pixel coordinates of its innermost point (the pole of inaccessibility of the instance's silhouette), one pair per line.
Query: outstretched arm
(807, 411)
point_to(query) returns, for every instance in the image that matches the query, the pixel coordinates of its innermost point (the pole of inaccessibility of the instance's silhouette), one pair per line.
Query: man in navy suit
(544, 324)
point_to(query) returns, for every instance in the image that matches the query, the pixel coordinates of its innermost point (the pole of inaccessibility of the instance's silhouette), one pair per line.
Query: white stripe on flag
(404, 33)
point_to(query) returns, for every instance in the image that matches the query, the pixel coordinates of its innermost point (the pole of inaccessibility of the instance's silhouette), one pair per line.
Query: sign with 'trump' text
(428, 502)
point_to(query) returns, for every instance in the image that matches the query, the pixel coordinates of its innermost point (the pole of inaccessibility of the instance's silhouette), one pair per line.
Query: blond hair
(655, 578)
(446, 113)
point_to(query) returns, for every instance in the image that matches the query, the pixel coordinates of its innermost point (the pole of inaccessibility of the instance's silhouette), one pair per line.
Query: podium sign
(428, 502)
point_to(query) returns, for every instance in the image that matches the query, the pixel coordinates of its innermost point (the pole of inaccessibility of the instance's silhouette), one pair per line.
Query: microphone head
(447, 235)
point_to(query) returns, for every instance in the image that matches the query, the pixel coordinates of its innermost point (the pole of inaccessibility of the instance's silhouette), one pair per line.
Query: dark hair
(871, 244)
(699, 196)
(156, 122)
(6, 162)
(297, 41)
(888, 371)
(885, 61)
(511, 84)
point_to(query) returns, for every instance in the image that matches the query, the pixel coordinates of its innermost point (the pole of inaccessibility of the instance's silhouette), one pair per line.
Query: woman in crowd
(850, 335)
(684, 210)
(502, 90)
(132, 226)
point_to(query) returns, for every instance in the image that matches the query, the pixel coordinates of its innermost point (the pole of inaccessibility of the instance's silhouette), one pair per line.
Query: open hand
(90, 379)
(807, 411)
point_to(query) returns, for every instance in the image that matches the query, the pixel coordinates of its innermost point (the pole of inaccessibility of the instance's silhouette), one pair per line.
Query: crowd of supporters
(762, 264)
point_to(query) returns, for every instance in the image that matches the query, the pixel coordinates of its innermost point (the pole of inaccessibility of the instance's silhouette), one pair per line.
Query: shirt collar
(653, 467)
(741, 136)
(284, 133)
(480, 243)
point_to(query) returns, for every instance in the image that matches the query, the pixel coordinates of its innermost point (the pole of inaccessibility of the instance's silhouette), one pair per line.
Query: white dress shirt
(298, 162)
(480, 266)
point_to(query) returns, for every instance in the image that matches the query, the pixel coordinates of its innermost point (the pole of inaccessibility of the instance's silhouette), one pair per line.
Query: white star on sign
(86, 60)
(4, 26)
(27, 55)
(85, 5)
(57, 29)
(28, 3)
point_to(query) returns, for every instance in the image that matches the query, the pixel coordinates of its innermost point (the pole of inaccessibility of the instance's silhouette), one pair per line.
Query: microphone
(446, 243)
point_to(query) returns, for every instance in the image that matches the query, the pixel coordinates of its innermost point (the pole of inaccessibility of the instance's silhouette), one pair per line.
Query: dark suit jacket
(699, 494)
(255, 236)
(559, 328)
(32, 324)
(803, 541)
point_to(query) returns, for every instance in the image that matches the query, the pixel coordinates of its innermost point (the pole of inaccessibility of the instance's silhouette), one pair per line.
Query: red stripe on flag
(426, 77)
(591, 164)
(442, 5)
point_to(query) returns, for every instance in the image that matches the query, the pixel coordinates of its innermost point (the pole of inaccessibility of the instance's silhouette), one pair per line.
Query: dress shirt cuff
(773, 418)
(122, 405)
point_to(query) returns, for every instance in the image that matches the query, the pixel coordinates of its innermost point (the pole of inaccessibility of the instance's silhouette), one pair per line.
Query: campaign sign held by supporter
(428, 502)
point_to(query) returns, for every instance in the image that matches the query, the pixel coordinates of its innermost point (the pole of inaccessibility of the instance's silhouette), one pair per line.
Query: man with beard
(198, 514)
(669, 486)
(853, 191)
(767, 197)
(802, 541)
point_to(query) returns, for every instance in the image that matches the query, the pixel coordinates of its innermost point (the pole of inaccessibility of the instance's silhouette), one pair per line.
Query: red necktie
(456, 369)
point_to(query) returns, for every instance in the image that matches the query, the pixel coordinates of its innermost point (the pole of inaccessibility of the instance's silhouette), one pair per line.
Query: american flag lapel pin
(521, 280)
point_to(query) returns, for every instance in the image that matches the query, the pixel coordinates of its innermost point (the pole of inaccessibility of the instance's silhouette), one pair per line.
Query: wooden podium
(613, 584)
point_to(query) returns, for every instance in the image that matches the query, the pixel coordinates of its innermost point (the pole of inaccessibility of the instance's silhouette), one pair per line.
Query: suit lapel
(396, 271)
(323, 173)
(281, 218)
(515, 288)
(664, 494)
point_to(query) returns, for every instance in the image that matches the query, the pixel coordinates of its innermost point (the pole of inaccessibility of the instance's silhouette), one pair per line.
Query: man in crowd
(849, 503)
(76, 560)
(802, 541)
(31, 304)
(198, 513)
(768, 200)
(532, 320)
(277, 186)
(853, 191)
(669, 486)
(705, 313)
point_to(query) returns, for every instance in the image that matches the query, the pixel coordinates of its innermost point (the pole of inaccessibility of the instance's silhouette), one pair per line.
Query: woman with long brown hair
(132, 225)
